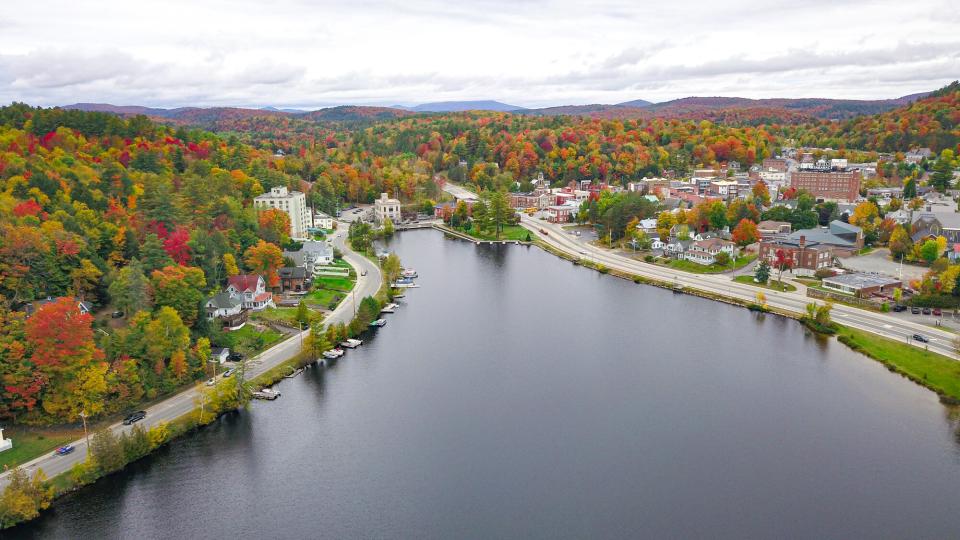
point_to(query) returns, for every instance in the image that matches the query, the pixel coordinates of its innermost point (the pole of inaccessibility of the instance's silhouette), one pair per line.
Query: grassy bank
(31, 443)
(695, 268)
(510, 233)
(935, 371)
(770, 284)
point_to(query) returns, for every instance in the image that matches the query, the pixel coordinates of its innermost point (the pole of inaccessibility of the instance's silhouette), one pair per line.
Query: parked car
(211, 381)
(64, 450)
(135, 417)
(915, 310)
(926, 311)
(920, 338)
(937, 312)
(234, 357)
(899, 307)
(363, 272)
(228, 373)
(116, 315)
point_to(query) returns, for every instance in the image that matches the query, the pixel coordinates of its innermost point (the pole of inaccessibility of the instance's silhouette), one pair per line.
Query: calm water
(515, 395)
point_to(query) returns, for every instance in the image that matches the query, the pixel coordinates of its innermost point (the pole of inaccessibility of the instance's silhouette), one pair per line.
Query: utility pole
(86, 436)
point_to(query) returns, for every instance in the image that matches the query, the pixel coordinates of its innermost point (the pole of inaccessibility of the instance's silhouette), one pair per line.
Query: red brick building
(807, 257)
(777, 164)
(828, 185)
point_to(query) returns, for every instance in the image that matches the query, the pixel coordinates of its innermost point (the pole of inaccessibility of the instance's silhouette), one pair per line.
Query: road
(182, 403)
(881, 324)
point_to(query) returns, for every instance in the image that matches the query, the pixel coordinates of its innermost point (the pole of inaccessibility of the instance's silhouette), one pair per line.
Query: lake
(516, 395)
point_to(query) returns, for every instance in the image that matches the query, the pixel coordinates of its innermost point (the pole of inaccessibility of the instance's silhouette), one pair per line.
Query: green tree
(303, 314)
(500, 211)
(762, 272)
(929, 251)
(107, 451)
(153, 255)
(942, 177)
(388, 228)
(130, 290)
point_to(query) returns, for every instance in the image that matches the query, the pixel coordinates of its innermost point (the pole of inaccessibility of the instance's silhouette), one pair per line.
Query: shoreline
(191, 421)
(949, 395)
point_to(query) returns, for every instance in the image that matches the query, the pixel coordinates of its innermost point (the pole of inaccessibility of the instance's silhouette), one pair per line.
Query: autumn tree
(900, 242)
(745, 233)
(230, 265)
(274, 226)
(265, 259)
(85, 278)
(64, 353)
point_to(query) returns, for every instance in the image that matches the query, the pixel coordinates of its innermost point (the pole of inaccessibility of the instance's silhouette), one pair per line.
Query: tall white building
(385, 207)
(294, 203)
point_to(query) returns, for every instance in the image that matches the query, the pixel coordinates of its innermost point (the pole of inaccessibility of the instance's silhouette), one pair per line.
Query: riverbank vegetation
(772, 285)
(935, 371)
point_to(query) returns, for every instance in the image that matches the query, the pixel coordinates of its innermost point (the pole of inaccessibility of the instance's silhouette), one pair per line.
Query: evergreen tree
(153, 255)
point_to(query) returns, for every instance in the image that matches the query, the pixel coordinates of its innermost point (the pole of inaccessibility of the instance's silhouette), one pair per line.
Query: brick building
(828, 185)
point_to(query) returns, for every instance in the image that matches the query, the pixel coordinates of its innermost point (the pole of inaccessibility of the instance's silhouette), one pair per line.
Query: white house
(294, 203)
(312, 255)
(223, 305)
(648, 226)
(705, 251)
(219, 354)
(252, 291)
(385, 207)
(322, 221)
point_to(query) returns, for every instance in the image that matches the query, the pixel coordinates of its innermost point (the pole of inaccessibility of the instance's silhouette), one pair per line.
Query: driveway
(879, 261)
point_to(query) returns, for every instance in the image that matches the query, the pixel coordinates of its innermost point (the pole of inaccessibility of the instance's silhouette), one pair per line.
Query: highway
(941, 341)
(182, 403)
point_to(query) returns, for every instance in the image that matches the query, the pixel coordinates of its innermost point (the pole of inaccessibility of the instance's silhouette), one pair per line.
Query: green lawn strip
(29, 443)
(770, 284)
(335, 283)
(323, 297)
(935, 371)
(510, 233)
(253, 338)
(695, 268)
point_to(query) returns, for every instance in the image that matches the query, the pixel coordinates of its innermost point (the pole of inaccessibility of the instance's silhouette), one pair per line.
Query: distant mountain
(120, 109)
(737, 109)
(635, 103)
(457, 106)
(274, 109)
(351, 113)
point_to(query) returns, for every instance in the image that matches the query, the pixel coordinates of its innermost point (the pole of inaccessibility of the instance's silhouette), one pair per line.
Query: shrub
(158, 434)
(107, 451)
(24, 497)
(602, 269)
(649, 258)
(83, 473)
(824, 273)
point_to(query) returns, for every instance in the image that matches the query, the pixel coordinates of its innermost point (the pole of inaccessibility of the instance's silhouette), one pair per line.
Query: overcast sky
(308, 54)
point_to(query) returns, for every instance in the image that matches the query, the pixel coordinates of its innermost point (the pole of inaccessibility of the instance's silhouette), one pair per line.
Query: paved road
(182, 403)
(877, 323)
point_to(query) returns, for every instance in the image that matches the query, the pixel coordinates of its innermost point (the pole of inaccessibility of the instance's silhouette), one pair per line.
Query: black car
(234, 357)
(899, 307)
(920, 338)
(116, 315)
(135, 417)
(915, 310)
(926, 311)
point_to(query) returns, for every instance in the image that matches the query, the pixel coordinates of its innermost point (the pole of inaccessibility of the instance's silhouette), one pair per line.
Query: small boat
(405, 280)
(409, 273)
(389, 308)
(352, 343)
(333, 354)
(379, 323)
(266, 393)
(399, 295)
(293, 373)
(404, 285)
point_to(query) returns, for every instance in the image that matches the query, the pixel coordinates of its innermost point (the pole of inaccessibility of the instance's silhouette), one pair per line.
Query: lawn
(281, 315)
(252, 339)
(935, 371)
(690, 266)
(510, 232)
(28, 444)
(770, 284)
(335, 283)
(324, 297)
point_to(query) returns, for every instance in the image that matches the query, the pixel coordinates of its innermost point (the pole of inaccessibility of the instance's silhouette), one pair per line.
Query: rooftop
(861, 281)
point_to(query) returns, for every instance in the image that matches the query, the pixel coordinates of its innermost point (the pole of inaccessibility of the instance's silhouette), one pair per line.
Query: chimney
(803, 240)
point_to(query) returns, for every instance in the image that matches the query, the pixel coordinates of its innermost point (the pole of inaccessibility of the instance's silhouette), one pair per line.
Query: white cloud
(307, 53)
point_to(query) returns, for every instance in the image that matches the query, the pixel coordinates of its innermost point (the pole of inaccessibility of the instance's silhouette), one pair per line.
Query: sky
(309, 54)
